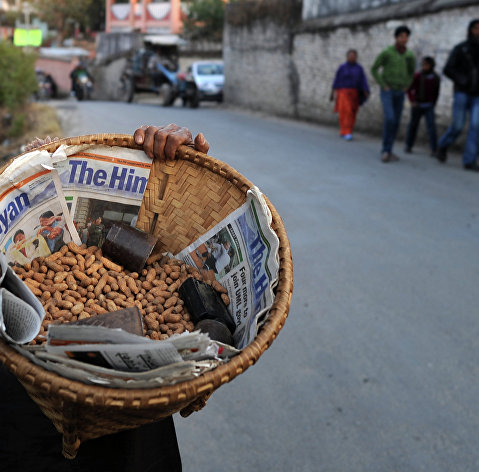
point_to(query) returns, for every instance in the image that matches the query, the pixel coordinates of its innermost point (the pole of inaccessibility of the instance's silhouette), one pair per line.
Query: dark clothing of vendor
(29, 441)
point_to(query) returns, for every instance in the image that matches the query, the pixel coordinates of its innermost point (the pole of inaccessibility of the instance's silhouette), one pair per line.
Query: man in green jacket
(393, 70)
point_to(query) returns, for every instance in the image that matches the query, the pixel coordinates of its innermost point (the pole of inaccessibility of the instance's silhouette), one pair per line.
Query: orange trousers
(347, 105)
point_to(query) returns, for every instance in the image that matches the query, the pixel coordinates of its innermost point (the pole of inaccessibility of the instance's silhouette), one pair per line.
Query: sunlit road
(377, 367)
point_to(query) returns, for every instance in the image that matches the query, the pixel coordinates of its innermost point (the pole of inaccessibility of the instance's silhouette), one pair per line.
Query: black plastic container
(208, 311)
(128, 246)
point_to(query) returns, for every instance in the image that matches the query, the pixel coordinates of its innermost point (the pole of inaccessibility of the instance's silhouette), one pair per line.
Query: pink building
(148, 16)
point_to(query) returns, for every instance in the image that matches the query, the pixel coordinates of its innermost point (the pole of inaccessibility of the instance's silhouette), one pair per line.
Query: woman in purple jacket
(350, 89)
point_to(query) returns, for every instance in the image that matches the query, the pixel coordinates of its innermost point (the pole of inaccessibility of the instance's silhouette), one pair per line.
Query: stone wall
(318, 8)
(287, 69)
(259, 68)
(257, 50)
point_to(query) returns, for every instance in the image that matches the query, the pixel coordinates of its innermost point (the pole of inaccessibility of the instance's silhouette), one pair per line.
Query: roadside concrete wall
(288, 69)
(259, 68)
(257, 49)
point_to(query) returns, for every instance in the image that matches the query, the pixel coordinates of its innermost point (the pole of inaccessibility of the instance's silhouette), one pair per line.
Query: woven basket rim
(78, 392)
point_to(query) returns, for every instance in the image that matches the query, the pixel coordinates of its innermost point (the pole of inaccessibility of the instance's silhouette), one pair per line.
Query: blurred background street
(376, 368)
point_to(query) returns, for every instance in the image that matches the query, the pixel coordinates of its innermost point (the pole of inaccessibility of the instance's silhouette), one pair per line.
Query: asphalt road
(376, 368)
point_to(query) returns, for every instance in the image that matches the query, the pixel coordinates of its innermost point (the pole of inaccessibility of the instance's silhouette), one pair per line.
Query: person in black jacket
(462, 68)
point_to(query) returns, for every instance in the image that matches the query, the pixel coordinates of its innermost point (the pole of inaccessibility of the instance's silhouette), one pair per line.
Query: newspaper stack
(98, 355)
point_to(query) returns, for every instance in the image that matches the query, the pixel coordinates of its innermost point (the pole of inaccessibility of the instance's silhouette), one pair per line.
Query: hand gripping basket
(81, 412)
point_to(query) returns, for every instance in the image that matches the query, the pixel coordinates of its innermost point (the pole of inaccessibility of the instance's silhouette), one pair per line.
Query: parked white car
(209, 79)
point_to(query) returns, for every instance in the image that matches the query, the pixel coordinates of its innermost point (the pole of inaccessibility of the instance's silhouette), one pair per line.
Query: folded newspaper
(114, 357)
(95, 375)
(21, 314)
(117, 349)
(78, 192)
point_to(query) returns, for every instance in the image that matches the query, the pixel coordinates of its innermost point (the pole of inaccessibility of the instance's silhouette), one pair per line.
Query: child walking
(423, 94)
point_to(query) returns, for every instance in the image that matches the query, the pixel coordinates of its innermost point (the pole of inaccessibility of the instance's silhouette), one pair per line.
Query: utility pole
(27, 11)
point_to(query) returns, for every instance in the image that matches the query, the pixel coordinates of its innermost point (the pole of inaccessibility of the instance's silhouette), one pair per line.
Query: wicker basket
(81, 412)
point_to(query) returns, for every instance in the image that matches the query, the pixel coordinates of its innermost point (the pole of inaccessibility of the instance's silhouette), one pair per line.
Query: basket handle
(188, 153)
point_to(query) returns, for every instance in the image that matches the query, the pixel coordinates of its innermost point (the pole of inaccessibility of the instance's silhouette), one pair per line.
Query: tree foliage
(8, 18)
(96, 15)
(17, 80)
(61, 14)
(204, 20)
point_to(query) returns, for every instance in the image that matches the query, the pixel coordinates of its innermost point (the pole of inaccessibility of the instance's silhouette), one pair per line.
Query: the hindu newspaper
(34, 221)
(102, 185)
(242, 253)
(34, 217)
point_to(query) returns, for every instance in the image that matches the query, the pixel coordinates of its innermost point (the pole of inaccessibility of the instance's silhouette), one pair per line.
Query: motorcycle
(47, 87)
(83, 86)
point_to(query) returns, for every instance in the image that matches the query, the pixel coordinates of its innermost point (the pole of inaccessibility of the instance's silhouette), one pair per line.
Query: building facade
(147, 16)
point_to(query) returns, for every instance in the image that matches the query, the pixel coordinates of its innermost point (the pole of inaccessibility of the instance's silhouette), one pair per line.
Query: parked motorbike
(47, 87)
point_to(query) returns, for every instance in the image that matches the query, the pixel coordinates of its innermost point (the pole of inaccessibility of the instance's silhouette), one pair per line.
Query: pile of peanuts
(78, 282)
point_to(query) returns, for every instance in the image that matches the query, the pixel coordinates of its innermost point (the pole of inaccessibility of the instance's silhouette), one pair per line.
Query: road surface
(377, 367)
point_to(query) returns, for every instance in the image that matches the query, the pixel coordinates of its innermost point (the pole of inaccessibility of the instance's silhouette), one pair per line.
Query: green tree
(205, 20)
(17, 80)
(96, 15)
(60, 14)
(8, 18)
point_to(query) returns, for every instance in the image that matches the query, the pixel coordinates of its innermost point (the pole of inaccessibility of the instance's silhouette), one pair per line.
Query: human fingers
(139, 135)
(49, 140)
(155, 140)
(162, 142)
(175, 139)
(37, 142)
(201, 144)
